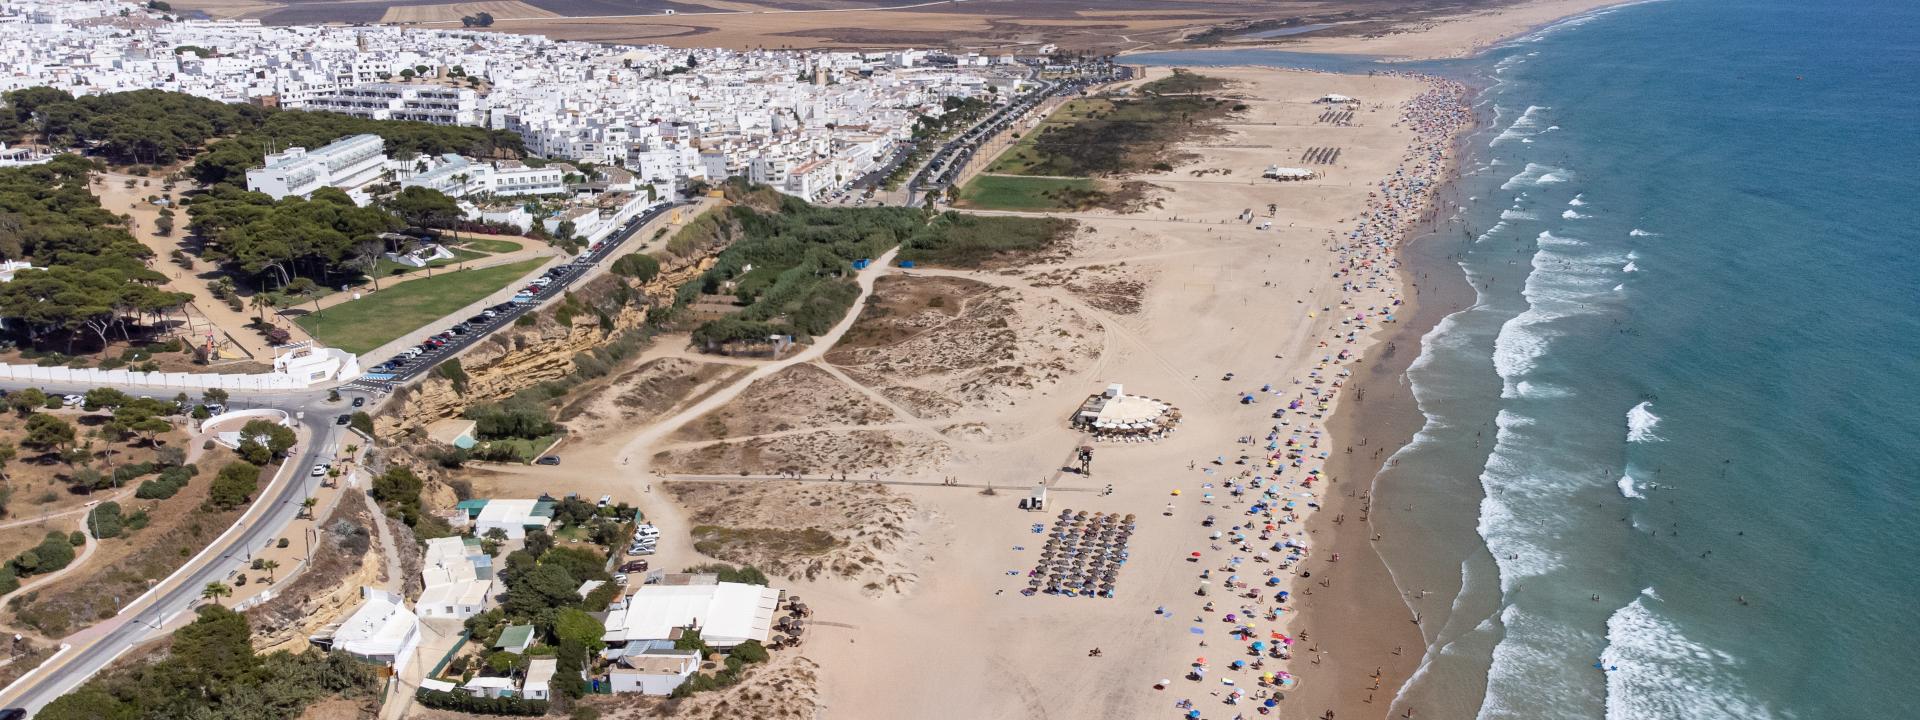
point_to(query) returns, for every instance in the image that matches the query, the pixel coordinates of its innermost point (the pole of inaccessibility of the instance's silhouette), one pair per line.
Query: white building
(435, 104)
(457, 177)
(538, 685)
(8, 268)
(381, 631)
(346, 163)
(458, 577)
(15, 157)
(727, 614)
(653, 672)
(310, 363)
(513, 517)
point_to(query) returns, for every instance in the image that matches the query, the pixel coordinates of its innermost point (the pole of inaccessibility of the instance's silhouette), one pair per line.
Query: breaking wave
(1655, 672)
(1641, 422)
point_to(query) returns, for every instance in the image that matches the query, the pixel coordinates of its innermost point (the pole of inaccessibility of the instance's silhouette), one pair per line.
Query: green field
(490, 245)
(1022, 158)
(388, 268)
(1003, 192)
(378, 318)
(1095, 137)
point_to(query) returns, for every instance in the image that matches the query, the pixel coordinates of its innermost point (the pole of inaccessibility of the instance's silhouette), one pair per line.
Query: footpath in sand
(1253, 333)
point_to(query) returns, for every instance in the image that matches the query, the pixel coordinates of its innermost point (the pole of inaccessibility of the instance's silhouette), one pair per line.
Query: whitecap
(1637, 232)
(1512, 214)
(1626, 487)
(1630, 267)
(1577, 201)
(1641, 422)
(1571, 215)
(1655, 671)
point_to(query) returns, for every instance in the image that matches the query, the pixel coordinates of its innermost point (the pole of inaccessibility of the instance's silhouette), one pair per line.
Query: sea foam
(1655, 672)
(1626, 487)
(1522, 126)
(1641, 422)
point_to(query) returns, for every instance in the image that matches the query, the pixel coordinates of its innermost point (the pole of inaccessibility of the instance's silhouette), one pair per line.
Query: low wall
(298, 376)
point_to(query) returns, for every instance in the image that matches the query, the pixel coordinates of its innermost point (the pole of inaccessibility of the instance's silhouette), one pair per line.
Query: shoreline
(1461, 35)
(1372, 624)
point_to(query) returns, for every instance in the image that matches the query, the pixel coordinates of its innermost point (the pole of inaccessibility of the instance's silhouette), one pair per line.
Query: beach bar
(1113, 414)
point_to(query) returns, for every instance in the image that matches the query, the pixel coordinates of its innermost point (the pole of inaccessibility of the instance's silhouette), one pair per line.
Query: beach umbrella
(1270, 702)
(1258, 646)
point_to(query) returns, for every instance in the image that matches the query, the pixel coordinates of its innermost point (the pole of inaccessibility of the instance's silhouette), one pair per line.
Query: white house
(381, 631)
(459, 579)
(347, 163)
(539, 678)
(653, 672)
(513, 517)
(727, 614)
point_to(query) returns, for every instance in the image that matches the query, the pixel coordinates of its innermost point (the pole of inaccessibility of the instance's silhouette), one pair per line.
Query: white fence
(171, 381)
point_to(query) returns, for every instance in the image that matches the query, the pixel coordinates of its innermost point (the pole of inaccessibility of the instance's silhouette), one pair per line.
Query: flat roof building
(435, 104)
(347, 163)
(727, 614)
(381, 631)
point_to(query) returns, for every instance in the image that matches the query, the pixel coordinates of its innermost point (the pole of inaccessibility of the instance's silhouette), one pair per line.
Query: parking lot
(420, 358)
(944, 167)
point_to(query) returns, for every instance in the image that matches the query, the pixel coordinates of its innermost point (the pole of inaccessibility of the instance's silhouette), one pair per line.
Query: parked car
(359, 402)
(634, 566)
(548, 460)
(318, 470)
(343, 420)
(606, 500)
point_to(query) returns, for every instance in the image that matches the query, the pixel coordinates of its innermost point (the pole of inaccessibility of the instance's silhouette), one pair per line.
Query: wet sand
(1363, 623)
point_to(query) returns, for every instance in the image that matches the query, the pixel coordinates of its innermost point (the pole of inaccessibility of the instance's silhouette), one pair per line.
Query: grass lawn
(1022, 158)
(388, 268)
(378, 318)
(489, 245)
(1000, 192)
(521, 449)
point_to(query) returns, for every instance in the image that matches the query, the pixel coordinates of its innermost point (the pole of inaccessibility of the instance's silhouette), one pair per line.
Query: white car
(73, 400)
(319, 470)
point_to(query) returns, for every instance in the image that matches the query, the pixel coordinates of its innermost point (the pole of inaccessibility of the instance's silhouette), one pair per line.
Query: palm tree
(269, 566)
(214, 591)
(306, 506)
(261, 302)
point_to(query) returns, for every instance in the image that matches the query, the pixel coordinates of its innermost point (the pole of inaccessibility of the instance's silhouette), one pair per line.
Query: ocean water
(1671, 461)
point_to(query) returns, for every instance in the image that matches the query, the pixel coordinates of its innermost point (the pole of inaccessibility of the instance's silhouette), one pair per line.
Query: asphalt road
(945, 163)
(178, 593)
(569, 274)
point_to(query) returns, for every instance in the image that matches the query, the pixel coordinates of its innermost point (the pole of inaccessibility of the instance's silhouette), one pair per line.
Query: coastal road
(577, 270)
(90, 650)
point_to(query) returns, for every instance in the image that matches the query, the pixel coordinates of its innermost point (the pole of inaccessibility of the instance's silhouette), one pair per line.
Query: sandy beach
(1250, 304)
(1449, 36)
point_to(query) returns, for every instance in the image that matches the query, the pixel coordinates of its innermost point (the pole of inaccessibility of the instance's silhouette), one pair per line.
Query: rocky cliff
(518, 358)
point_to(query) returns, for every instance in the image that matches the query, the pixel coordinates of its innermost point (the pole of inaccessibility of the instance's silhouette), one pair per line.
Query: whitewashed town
(804, 123)
(442, 360)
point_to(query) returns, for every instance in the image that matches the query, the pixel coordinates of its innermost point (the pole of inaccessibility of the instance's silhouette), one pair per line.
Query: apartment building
(347, 163)
(396, 101)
